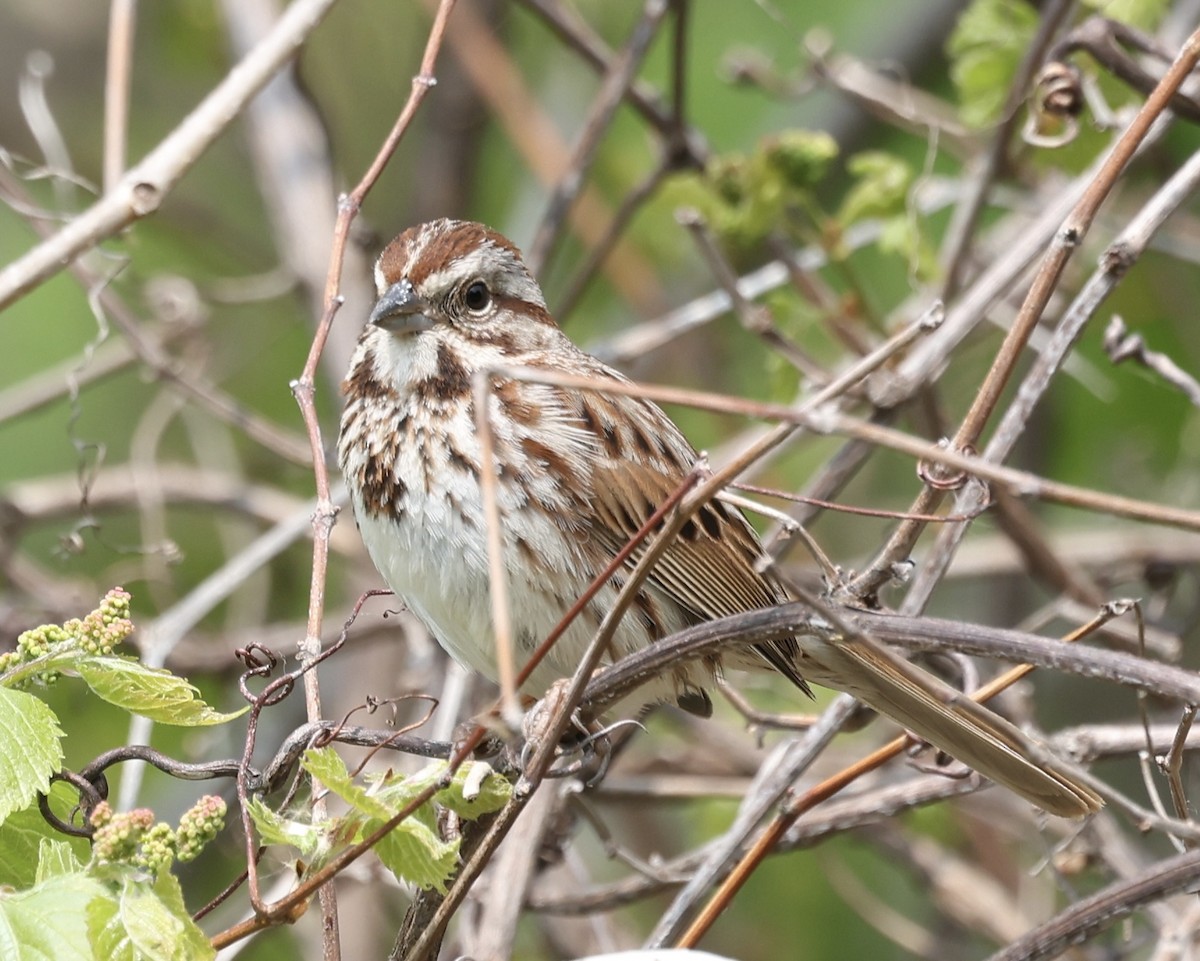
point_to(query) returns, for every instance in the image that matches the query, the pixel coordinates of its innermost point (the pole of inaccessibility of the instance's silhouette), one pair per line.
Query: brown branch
(1094, 914)
(144, 187)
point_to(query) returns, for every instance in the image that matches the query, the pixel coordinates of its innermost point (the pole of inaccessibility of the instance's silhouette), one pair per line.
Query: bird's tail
(947, 719)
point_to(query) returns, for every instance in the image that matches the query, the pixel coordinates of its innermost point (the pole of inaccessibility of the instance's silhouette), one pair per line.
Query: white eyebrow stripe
(474, 263)
(485, 264)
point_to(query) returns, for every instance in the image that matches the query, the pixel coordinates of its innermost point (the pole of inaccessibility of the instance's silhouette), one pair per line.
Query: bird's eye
(477, 297)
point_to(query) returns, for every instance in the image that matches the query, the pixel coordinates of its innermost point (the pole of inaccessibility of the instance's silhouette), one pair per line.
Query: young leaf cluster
(415, 851)
(122, 903)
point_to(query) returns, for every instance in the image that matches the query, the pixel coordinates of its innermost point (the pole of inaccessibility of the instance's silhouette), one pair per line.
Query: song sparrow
(579, 472)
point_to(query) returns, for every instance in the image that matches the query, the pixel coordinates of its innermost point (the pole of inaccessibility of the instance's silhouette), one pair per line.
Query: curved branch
(917, 633)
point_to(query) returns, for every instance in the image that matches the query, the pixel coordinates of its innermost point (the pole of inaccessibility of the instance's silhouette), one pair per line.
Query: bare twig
(1121, 345)
(144, 187)
(1114, 263)
(152, 352)
(620, 74)
(1088, 917)
(918, 633)
(122, 22)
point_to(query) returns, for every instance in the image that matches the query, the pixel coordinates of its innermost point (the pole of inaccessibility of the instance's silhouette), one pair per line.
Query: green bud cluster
(96, 634)
(157, 849)
(118, 836)
(745, 197)
(198, 826)
(106, 627)
(135, 838)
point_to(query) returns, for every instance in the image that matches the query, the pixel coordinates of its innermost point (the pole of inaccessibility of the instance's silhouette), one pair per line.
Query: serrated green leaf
(985, 49)
(147, 922)
(49, 921)
(157, 923)
(152, 930)
(801, 157)
(106, 931)
(880, 189)
(156, 694)
(326, 766)
(491, 794)
(30, 749)
(192, 945)
(22, 834)
(414, 852)
(311, 840)
(55, 859)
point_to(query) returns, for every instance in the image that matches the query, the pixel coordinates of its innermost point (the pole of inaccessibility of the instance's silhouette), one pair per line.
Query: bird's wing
(640, 458)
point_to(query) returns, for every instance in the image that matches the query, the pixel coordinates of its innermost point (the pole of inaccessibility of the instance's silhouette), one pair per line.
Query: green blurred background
(212, 276)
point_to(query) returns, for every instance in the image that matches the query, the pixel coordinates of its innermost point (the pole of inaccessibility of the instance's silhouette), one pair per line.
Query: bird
(577, 473)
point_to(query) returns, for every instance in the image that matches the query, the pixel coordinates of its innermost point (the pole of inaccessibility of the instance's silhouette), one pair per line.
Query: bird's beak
(401, 310)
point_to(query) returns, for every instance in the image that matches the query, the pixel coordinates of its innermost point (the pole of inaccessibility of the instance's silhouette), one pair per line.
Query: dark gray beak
(401, 310)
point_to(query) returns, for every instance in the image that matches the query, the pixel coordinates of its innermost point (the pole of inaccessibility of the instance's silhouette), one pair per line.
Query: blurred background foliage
(208, 276)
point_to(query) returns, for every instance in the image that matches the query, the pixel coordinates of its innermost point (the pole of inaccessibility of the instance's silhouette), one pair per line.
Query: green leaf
(902, 235)
(156, 694)
(490, 794)
(1146, 14)
(326, 766)
(414, 852)
(311, 840)
(985, 49)
(30, 749)
(192, 945)
(801, 157)
(106, 931)
(56, 859)
(157, 923)
(147, 922)
(151, 928)
(881, 189)
(22, 834)
(49, 921)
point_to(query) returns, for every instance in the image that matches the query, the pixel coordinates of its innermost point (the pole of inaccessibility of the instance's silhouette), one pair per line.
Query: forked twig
(774, 832)
(1068, 237)
(144, 187)
(323, 519)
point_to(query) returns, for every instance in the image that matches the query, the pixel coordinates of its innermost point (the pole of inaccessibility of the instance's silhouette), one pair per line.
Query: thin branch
(916, 633)
(1114, 263)
(621, 71)
(1121, 345)
(151, 350)
(1094, 914)
(122, 23)
(821, 420)
(144, 187)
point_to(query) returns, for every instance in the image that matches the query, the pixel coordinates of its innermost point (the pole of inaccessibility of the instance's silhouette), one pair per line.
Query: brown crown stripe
(427, 249)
